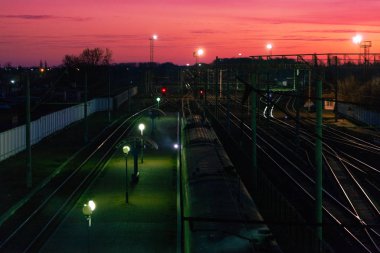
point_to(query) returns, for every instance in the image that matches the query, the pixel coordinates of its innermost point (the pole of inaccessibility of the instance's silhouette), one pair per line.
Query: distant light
(200, 52)
(240, 54)
(154, 36)
(176, 146)
(158, 99)
(13, 81)
(42, 70)
(269, 46)
(357, 39)
(199, 64)
(188, 64)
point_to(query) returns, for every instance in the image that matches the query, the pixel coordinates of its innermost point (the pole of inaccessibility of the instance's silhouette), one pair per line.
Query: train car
(219, 213)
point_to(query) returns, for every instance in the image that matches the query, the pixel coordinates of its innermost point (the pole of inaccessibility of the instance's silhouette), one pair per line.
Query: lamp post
(151, 40)
(269, 46)
(142, 127)
(357, 39)
(85, 109)
(197, 54)
(158, 99)
(126, 150)
(87, 210)
(28, 137)
(151, 60)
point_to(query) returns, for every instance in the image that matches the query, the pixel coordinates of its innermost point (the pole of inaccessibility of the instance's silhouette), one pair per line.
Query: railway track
(358, 220)
(32, 224)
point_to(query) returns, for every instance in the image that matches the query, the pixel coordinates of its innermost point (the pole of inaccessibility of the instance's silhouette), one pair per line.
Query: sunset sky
(34, 30)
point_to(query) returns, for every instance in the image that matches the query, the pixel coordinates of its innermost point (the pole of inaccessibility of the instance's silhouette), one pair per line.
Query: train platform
(148, 222)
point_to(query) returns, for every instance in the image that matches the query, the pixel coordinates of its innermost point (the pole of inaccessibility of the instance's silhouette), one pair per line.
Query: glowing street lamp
(87, 210)
(357, 39)
(152, 39)
(126, 150)
(158, 99)
(269, 46)
(142, 127)
(198, 54)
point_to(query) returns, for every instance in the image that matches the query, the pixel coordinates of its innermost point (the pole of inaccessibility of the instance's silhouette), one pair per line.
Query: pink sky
(36, 30)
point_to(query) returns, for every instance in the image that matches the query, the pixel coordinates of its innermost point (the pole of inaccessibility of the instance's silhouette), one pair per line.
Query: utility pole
(109, 95)
(336, 89)
(298, 103)
(85, 109)
(228, 108)
(254, 132)
(27, 135)
(318, 165)
(216, 86)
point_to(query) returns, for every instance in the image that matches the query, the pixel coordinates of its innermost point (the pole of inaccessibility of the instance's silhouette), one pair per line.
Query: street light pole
(109, 95)
(357, 39)
(255, 169)
(150, 72)
(269, 47)
(27, 135)
(142, 127)
(87, 210)
(85, 109)
(197, 54)
(152, 39)
(126, 150)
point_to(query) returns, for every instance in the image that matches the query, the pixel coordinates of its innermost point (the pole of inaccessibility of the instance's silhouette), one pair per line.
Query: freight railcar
(219, 214)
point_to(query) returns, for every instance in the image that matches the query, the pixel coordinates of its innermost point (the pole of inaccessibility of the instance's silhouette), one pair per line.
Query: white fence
(13, 140)
(120, 99)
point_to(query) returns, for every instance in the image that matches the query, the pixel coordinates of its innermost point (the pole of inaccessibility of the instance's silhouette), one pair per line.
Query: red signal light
(163, 90)
(201, 92)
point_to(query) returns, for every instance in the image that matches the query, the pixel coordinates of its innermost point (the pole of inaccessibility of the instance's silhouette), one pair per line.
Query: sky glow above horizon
(36, 30)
